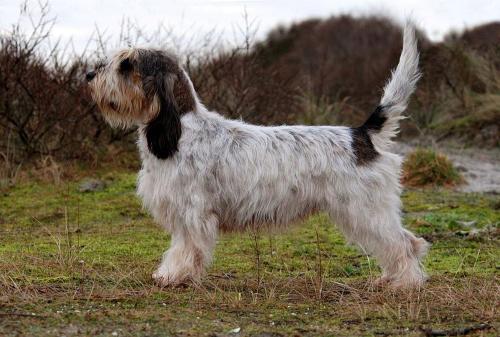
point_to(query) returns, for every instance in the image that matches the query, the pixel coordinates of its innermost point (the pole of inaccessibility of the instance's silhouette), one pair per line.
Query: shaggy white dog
(202, 173)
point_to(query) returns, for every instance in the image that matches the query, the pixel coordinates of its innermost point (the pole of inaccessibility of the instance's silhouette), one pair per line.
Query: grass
(425, 167)
(80, 264)
(470, 129)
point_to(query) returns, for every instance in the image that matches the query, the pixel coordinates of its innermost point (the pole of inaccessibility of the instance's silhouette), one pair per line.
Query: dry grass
(284, 306)
(76, 263)
(426, 167)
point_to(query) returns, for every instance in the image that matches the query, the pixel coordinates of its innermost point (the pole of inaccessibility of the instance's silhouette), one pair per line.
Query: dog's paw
(165, 280)
(396, 284)
(382, 281)
(405, 284)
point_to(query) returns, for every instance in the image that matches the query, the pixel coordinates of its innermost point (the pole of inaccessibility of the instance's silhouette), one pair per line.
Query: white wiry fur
(398, 90)
(229, 175)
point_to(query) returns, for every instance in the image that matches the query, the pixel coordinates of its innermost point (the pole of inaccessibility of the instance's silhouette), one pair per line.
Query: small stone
(92, 185)
(467, 223)
(235, 330)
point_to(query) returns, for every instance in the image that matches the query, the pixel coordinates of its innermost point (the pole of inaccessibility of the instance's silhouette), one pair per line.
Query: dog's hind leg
(190, 251)
(375, 226)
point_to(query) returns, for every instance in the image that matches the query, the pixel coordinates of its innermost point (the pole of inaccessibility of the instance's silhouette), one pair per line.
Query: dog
(202, 173)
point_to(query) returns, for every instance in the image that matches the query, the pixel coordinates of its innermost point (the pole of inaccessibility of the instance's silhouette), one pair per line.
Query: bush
(425, 167)
(314, 72)
(45, 106)
(458, 95)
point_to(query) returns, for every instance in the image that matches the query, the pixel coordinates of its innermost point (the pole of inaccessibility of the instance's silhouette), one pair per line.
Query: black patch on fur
(376, 120)
(362, 144)
(164, 131)
(154, 66)
(126, 66)
(163, 78)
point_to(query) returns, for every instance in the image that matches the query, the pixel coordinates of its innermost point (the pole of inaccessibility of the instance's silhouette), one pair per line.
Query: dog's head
(148, 88)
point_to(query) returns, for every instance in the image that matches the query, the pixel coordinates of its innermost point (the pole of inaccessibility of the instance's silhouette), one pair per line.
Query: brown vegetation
(425, 167)
(313, 72)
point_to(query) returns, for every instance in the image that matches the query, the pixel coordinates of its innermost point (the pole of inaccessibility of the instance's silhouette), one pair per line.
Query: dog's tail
(383, 124)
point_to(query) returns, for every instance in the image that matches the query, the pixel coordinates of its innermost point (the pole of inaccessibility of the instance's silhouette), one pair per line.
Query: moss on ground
(75, 263)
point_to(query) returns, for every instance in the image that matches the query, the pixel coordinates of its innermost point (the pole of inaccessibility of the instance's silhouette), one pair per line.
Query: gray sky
(77, 19)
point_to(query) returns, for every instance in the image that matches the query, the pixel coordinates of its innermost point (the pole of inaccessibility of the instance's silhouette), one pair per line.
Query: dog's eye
(126, 66)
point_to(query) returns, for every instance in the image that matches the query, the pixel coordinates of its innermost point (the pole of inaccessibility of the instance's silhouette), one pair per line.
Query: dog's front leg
(190, 252)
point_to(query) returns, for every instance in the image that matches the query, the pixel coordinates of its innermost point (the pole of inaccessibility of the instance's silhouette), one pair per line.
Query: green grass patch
(80, 264)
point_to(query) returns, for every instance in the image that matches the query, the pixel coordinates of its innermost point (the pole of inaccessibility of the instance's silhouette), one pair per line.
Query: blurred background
(268, 62)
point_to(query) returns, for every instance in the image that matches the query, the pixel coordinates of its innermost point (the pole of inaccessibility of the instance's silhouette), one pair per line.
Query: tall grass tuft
(426, 167)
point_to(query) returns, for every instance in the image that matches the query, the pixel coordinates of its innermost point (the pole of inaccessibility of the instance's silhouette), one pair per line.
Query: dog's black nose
(90, 76)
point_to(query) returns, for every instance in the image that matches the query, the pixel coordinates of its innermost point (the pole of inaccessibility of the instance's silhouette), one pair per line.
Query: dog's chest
(154, 182)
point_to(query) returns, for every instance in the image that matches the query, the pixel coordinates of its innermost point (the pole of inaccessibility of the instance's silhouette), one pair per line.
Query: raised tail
(383, 124)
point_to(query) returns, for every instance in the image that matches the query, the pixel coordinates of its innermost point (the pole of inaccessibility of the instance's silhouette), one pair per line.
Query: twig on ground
(455, 332)
(20, 314)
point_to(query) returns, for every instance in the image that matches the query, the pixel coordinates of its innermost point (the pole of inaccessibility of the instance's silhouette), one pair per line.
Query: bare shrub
(338, 59)
(237, 82)
(314, 72)
(458, 94)
(43, 101)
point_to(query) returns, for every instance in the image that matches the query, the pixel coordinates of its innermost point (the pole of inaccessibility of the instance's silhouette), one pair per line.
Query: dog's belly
(270, 204)
(230, 222)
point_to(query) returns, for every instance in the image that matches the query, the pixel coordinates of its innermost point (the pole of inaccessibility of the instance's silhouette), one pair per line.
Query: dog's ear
(163, 131)
(164, 84)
